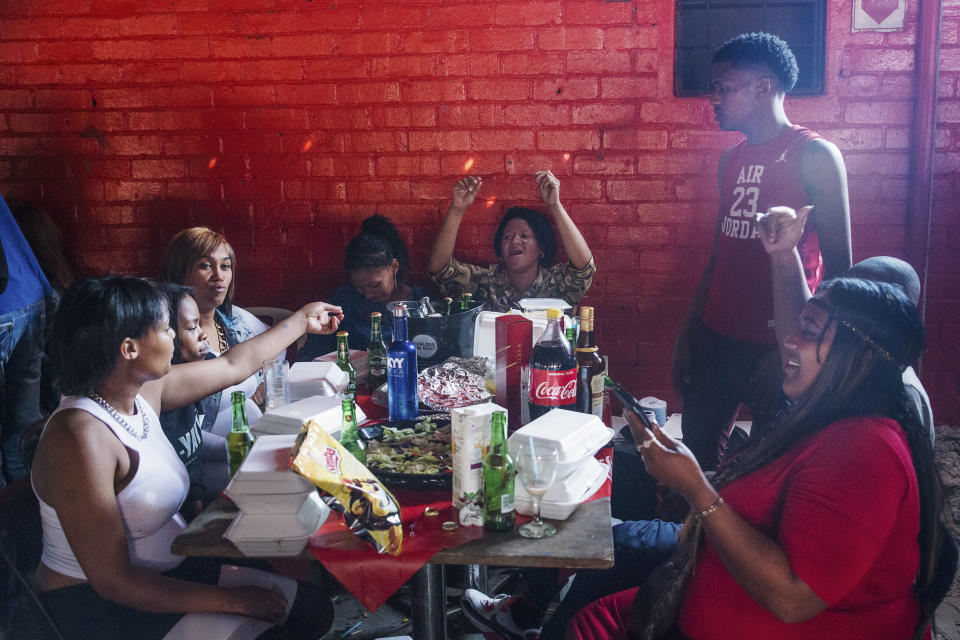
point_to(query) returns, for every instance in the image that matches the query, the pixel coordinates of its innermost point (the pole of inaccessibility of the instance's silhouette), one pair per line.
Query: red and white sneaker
(492, 616)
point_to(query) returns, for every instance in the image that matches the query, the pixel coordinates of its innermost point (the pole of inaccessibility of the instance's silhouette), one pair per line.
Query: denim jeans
(638, 547)
(21, 351)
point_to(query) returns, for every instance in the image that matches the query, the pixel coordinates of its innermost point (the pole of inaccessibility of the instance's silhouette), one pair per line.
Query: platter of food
(410, 453)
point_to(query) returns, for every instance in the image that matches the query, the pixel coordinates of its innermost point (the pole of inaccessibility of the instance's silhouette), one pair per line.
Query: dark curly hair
(542, 231)
(377, 245)
(761, 48)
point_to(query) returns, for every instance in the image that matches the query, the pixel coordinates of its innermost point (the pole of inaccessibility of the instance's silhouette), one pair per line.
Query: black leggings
(726, 373)
(80, 613)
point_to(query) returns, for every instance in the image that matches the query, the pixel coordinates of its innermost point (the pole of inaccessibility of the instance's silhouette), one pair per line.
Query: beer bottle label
(596, 396)
(553, 388)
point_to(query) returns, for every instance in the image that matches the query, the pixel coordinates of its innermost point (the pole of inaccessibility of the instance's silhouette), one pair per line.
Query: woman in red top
(825, 528)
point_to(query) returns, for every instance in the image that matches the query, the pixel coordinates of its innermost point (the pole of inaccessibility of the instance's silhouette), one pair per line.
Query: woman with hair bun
(376, 264)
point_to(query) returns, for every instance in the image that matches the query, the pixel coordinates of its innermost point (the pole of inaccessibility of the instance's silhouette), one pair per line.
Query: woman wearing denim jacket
(203, 259)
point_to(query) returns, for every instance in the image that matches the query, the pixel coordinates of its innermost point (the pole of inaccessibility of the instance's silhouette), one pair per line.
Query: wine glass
(538, 470)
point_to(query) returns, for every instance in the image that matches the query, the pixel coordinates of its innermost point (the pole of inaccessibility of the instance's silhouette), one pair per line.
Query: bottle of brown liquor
(590, 369)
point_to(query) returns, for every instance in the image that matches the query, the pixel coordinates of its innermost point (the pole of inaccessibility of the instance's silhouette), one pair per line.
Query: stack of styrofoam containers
(576, 437)
(286, 420)
(279, 510)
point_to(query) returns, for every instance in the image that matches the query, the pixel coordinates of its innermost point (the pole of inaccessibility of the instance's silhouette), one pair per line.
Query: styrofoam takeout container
(563, 498)
(542, 304)
(358, 357)
(288, 419)
(316, 379)
(268, 535)
(572, 486)
(266, 470)
(269, 503)
(574, 435)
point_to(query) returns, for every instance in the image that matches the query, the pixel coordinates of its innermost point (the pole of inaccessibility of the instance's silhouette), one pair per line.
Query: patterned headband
(870, 341)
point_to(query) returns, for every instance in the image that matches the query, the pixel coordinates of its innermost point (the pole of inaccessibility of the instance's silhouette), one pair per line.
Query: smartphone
(631, 403)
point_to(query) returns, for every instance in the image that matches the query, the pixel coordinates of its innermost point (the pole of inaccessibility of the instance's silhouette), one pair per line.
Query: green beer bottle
(498, 478)
(447, 306)
(239, 440)
(376, 353)
(350, 434)
(343, 361)
(465, 301)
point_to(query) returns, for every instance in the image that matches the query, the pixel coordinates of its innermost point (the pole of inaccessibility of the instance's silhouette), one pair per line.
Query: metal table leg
(429, 604)
(475, 577)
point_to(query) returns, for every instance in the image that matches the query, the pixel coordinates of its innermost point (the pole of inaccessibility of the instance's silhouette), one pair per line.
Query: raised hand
(465, 192)
(322, 317)
(781, 228)
(549, 187)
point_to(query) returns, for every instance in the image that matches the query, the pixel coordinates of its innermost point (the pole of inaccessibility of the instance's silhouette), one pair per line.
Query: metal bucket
(439, 337)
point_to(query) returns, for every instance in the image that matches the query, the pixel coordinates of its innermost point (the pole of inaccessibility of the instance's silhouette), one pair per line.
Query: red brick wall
(286, 122)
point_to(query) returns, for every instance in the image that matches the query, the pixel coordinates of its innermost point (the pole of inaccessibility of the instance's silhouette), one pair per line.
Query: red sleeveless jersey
(755, 178)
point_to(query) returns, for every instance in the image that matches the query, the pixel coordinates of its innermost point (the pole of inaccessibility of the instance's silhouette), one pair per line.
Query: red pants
(605, 619)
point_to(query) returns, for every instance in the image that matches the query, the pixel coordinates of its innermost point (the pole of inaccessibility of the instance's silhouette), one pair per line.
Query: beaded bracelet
(713, 507)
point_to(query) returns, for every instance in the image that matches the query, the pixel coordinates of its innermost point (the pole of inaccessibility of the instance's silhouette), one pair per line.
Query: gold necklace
(221, 336)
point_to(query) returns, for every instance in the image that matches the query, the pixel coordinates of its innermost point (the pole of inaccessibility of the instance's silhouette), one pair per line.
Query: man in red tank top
(726, 351)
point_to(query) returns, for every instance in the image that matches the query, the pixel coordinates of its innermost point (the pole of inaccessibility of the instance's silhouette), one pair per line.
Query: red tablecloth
(372, 577)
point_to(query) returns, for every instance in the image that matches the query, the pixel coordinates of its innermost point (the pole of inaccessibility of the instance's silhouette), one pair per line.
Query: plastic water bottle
(402, 369)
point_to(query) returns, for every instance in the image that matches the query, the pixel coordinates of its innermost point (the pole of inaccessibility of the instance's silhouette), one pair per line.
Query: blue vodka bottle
(402, 369)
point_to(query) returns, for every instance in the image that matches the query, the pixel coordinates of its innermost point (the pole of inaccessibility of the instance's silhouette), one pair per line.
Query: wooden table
(583, 541)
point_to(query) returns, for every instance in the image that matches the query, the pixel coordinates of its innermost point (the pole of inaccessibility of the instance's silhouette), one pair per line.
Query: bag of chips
(369, 509)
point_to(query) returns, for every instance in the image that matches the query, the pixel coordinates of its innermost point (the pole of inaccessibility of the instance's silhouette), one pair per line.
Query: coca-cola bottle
(553, 370)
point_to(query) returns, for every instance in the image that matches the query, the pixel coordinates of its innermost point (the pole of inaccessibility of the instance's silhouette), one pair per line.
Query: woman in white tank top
(103, 471)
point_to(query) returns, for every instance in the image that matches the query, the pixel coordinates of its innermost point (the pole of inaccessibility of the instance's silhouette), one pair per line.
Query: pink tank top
(149, 504)
(755, 178)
